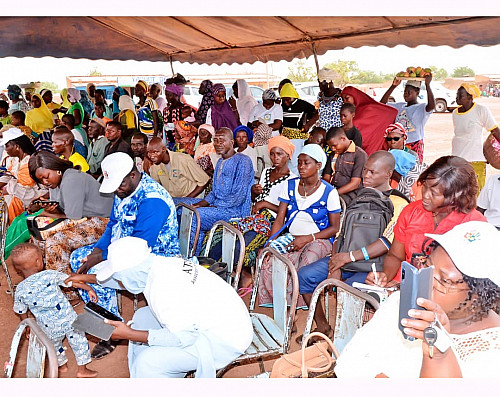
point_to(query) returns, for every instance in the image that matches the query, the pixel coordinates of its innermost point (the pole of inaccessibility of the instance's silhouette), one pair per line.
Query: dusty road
(439, 132)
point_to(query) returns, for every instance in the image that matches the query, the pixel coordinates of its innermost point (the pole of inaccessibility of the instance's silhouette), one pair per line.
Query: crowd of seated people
(281, 170)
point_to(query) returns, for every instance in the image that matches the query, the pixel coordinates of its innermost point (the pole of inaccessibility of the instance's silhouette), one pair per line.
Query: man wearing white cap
(141, 208)
(180, 330)
(411, 114)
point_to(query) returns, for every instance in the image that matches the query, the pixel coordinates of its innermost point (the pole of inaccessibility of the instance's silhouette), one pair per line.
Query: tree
(50, 85)
(95, 72)
(463, 71)
(345, 69)
(438, 73)
(300, 72)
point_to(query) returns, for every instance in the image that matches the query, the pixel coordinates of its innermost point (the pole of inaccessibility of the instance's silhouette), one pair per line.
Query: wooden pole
(315, 56)
(171, 64)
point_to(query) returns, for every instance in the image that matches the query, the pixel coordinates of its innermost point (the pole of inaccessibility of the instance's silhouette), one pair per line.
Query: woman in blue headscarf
(406, 174)
(243, 137)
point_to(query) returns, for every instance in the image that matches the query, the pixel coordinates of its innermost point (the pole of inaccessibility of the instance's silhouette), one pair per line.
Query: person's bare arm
(156, 123)
(353, 184)
(276, 125)
(197, 190)
(389, 91)
(311, 122)
(431, 103)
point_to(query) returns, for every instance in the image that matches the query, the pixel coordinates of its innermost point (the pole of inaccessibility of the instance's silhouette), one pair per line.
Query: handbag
(41, 227)
(310, 362)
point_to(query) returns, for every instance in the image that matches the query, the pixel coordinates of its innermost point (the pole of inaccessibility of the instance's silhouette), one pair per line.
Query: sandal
(244, 291)
(103, 348)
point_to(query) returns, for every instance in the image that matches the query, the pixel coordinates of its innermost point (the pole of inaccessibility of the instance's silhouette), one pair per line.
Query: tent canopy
(230, 39)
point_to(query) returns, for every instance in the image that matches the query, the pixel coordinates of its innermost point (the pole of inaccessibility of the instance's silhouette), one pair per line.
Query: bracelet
(313, 236)
(365, 253)
(351, 255)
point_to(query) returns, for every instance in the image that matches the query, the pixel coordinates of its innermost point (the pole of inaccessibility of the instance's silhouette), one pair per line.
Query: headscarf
(14, 92)
(404, 161)
(269, 94)
(472, 89)
(246, 129)
(262, 135)
(126, 102)
(316, 152)
(64, 96)
(74, 93)
(206, 102)
(283, 143)
(207, 127)
(327, 75)
(372, 118)
(175, 89)
(43, 91)
(88, 87)
(288, 91)
(245, 102)
(99, 121)
(396, 127)
(87, 105)
(39, 119)
(222, 115)
(144, 86)
(119, 91)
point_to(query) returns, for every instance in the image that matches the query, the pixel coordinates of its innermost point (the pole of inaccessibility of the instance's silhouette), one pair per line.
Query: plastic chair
(187, 213)
(229, 236)
(39, 348)
(4, 219)
(351, 306)
(271, 335)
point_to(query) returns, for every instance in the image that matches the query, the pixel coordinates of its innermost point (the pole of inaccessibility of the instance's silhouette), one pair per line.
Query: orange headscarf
(283, 143)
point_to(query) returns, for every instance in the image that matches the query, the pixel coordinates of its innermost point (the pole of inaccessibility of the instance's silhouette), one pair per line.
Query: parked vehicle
(255, 90)
(192, 95)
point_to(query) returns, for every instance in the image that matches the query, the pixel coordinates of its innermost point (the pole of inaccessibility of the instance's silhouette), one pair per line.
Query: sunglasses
(395, 139)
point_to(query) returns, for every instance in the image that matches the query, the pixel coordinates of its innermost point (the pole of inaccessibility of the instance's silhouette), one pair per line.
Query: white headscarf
(245, 102)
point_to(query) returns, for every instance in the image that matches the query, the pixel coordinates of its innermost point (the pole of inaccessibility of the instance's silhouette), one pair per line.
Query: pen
(374, 270)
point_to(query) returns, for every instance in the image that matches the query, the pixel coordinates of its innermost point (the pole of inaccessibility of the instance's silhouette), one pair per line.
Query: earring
(59, 173)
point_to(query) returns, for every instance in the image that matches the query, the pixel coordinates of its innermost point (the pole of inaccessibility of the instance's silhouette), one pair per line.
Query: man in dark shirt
(344, 167)
(116, 142)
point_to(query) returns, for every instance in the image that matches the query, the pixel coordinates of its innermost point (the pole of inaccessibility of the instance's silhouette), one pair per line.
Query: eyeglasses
(442, 286)
(395, 139)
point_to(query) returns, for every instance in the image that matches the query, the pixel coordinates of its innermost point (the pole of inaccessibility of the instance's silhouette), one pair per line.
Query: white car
(192, 95)
(445, 98)
(308, 91)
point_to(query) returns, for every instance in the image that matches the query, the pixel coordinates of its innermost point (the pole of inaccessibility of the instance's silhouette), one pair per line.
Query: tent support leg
(171, 64)
(313, 44)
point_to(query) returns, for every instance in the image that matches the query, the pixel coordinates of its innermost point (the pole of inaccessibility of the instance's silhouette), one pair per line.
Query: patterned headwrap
(283, 143)
(269, 94)
(175, 89)
(144, 86)
(472, 89)
(75, 94)
(246, 129)
(262, 135)
(206, 102)
(14, 91)
(218, 88)
(395, 127)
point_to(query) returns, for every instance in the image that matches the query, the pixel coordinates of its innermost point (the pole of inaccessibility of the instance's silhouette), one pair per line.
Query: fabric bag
(310, 362)
(365, 220)
(41, 227)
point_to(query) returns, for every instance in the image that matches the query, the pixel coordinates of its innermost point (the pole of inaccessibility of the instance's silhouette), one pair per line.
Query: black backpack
(365, 220)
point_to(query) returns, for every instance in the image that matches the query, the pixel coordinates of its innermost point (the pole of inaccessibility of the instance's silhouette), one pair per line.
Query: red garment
(372, 118)
(414, 221)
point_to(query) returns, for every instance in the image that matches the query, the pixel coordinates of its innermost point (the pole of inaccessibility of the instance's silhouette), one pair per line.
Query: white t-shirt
(469, 129)
(177, 293)
(413, 118)
(275, 191)
(303, 223)
(250, 152)
(489, 199)
(269, 116)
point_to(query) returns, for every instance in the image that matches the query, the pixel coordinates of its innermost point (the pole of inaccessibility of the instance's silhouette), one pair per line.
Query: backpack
(365, 220)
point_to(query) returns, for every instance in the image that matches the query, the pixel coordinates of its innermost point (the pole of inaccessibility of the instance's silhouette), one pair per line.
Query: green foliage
(438, 73)
(300, 72)
(95, 72)
(463, 71)
(345, 69)
(50, 85)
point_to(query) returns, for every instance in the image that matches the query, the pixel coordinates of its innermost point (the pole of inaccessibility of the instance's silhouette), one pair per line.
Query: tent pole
(315, 56)
(171, 64)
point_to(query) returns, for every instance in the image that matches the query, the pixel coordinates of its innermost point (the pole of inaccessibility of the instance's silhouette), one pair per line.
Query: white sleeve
(208, 120)
(284, 192)
(277, 112)
(333, 203)
(487, 119)
(483, 201)
(253, 114)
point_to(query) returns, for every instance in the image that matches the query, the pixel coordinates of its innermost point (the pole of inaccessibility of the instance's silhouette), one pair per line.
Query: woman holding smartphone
(449, 189)
(465, 301)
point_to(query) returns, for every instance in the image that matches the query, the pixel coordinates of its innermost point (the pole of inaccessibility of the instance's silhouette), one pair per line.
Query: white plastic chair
(39, 348)
(271, 335)
(351, 306)
(229, 236)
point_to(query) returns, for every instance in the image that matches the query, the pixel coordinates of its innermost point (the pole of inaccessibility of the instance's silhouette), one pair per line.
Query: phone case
(91, 321)
(415, 283)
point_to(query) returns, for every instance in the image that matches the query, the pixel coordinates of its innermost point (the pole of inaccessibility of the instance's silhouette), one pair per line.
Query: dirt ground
(439, 132)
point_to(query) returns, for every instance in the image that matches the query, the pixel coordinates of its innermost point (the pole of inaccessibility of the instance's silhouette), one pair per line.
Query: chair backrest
(282, 271)
(39, 347)
(351, 304)
(187, 213)
(229, 236)
(343, 207)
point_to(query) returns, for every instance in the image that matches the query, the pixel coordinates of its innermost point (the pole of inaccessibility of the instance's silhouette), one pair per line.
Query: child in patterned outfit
(40, 292)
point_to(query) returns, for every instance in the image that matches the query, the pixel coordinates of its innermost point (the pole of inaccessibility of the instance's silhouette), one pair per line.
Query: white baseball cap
(123, 254)
(115, 167)
(473, 248)
(9, 135)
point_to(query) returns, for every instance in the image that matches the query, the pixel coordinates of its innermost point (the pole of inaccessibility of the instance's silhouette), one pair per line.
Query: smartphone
(415, 283)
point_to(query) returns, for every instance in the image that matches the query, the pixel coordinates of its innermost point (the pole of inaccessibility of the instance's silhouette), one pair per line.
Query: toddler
(40, 293)
(187, 114)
